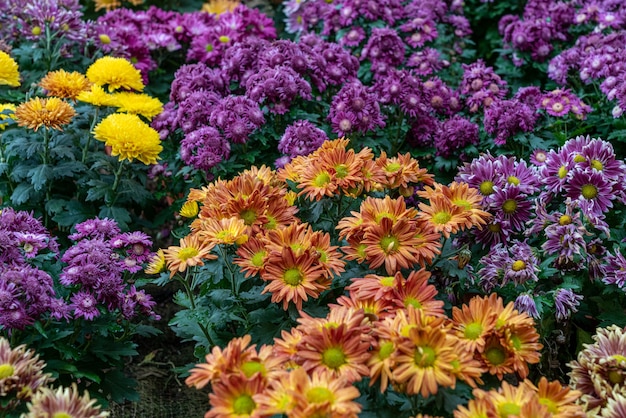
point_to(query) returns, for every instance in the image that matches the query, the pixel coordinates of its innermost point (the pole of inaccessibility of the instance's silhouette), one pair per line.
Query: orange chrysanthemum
(51, 113)
(444, 216)
(476, 408)
(508, 401)
(415, 292)
(381, 362)
(252, 257)
(391, 244)
(226, 231)
(373, 286)
(190, 253)
(233, 397)
(402, 171)
(293, 278)
(218, 7)
(317, 181)
(560, 400)
(64, 84)
(474, 322)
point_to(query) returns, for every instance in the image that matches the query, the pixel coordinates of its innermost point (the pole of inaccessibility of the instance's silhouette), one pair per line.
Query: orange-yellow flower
(9, 73)
(218, 7)
(415, 292)
(474, 322)
(234, 396)
(402, 171)
(64, 84)
(190, 253)
(226, 231)
(444, 216)
(391, 244)
(116, 73)
(560, 400)
(51, 113)
(381, 362)
(252, 257)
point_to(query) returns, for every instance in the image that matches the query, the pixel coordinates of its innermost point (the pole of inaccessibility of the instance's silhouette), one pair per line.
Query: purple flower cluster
(26, 291)
(481, 86)
(541, 25)
(561, 102)
(204, 148)
(141, 35)
(512, 263)
(506, 118)
(453, 135)
(355, 109)
(96, 265)
(301, 138)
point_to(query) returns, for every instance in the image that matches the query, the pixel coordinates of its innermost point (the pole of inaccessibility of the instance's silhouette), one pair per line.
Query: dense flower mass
(9, 73)
(51, 113)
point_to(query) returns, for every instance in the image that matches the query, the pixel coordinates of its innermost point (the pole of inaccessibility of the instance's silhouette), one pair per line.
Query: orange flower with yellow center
(476, 408)
(190, 253)
(474, 322)
(234, 396)
(381, 362)
(496, 357)
(317, 181)
(51, 113)
(509, 400)
(226, 231)
(218, 7)
(252, 257)
(559, 400)
(524, 345)
(64, 84)
(401, 171)
(293, 278)
(415, 292)
(391, 244)
(373, 286)
(444, 216)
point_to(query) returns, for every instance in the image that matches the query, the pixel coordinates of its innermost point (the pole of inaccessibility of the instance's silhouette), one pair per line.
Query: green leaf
(74, 213)
(97, 190)
(106, 350)
(68, 169)
(40, 175)
(119, 386)
(22, 193)
(121, 215)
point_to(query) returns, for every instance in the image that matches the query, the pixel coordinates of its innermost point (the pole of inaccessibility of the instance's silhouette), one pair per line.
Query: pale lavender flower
(615, 270)
(525, 303)
(566, 303)
(95, 228)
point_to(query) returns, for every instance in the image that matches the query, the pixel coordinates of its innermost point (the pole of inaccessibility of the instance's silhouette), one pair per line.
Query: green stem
(398, 142)
(45, 161)
(116, 182)
(93, 125)
(231, 273)
(185, 282)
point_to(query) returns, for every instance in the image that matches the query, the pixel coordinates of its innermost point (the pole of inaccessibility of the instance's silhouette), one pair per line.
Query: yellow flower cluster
(116, 73)
(129, 137)
(9, 74)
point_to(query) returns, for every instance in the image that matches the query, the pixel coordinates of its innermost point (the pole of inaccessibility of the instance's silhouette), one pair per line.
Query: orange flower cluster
(334, 169)
(257, 383)
(452, 208)
(547, 400)
(386, 232)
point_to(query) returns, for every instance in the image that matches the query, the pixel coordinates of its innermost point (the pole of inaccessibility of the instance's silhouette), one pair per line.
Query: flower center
(509, 206)
(462, 203)
(589, 191)
(249, 368)
(386, 349)
(389, 244)
(518, 265)
(495, 355)
(186, 253)
(258, 258)
(473, 331)
(388, 281)
(243, 405)
(441, 218)
(321, 180)
(616, 377)
(341, 170)
(248, 216)
(410, 301)
(293, 277)
(495, 228)
(6, 370)
(224, 39)
(579, 159)
(486, 187)
(550, 404)
(392, 167)
(334, 357)
(508, 408)
(557, 107)
(319, 395)
(597, 165)
(61, 415)
(425, 356)
(565, 220)
(513, 180)
(562, 172)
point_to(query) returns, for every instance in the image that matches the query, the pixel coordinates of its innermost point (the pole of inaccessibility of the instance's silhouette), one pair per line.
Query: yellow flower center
(36, 31)
(186, 253)
(319, 395)
(28, 247)
(565, 220)
(550, 404)
(224, 39)
(517, 343)
(557, 107)
(597, 165)
(105, 39)
(360, 250)
(248, 216)
(243, 405)
(293, 277)
(473, 330)
(589, 191)
(334, 357)
(341, 170)
(495, 228)
(209, 48)
(579, 159)
(508, 408)
(562, 172)
(513, 180)
(392, 167)
(518, 265)
(321, 179)
(441, 218)
(386, 349)
(615, 377)
(258, 258)
(618, 357)
(509, 206)
(425, 356)
(495, 355)
(413, 302)
(462, 203)
(486, 187)
(61, 415)
(250, 368)
(6, 370)
(388, 281)
(389, 244)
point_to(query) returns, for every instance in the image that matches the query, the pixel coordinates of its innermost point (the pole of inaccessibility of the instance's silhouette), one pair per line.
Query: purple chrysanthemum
(237, 117)
(204, 148)
(525, 303)
(615, 270)
(355, 109)
(522, 265)
(566, 303)
(511, 205)
(455, 134)
(85, 305)
(301, 138)
(505, 118)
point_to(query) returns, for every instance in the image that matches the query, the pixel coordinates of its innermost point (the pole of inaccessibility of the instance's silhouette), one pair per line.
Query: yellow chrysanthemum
(51, 113)
(117, 73)
(64, 84)
(190, 209)
(138, 104)
(9, 73)
(129, 137)
(107, 5)
(157, 263)
(5, 115)
(218, 7)
(96, 96)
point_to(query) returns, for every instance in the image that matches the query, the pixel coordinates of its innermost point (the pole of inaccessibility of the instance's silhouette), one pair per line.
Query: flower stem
(116, 182)
(231, 273)
(93, 125)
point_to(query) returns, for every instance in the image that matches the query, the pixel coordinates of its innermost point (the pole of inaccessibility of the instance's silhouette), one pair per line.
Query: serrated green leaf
(22, 193)
(40, 175)
(67, 169)
(121, 215)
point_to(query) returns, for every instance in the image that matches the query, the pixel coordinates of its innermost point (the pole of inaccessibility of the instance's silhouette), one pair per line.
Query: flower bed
(313, 208)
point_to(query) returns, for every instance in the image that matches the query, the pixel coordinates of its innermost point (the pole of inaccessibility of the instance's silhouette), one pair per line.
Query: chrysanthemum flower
(51, 113)
(476, 408)
(402, 171)
(221, 231)
(424, 361)
(336, 351)
(116, 73)
(96, 96)
(7, 110)
(233, 396)
(317, 181)
(189, 209)
(190, 253)
(129, 137)
(9, 74)
(218, 7)
(373, 286)
(444, 216)
(107, 5)
(21, 374)
(418, 294)
(509, 400)
(63, 402)
(560, 400)
(497, 357)
(157, 263)
(615, 407)
(64, 84)
(138, 104)
(252, 256)
(392, 245)
(293, 278)
(474, 322)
